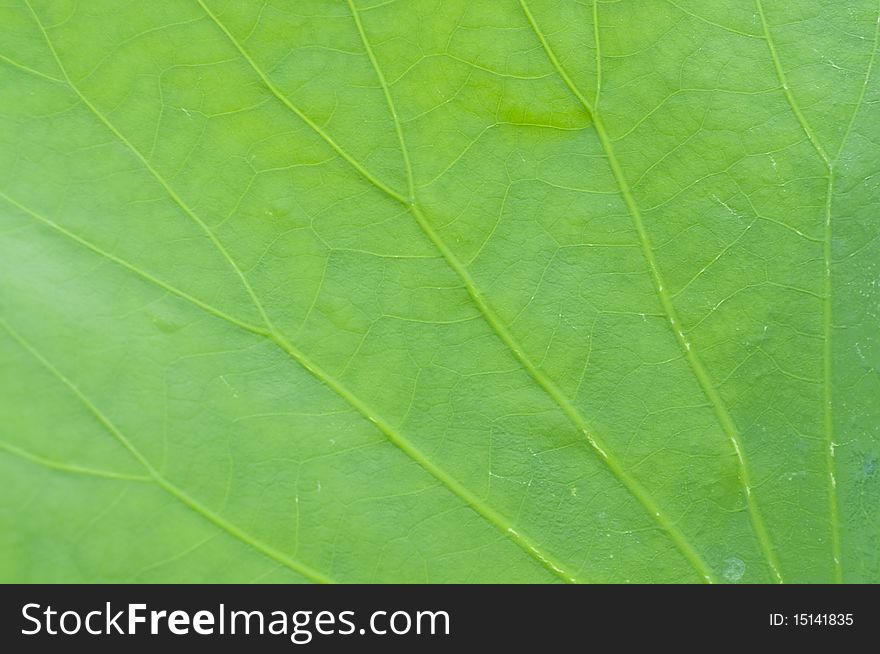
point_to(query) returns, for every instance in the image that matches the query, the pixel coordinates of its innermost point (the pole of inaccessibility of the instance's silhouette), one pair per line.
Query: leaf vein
(170, 488)
(689, 352)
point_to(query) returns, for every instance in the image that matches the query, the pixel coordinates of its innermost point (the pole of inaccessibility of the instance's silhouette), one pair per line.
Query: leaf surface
(422, 291)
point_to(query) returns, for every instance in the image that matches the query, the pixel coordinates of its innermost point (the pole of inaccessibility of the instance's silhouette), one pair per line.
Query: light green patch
(422, 291)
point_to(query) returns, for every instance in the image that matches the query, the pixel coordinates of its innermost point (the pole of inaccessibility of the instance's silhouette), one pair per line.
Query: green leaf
(423, 291)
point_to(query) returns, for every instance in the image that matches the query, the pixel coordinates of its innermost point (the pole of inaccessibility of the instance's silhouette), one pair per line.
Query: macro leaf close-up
(435, 291)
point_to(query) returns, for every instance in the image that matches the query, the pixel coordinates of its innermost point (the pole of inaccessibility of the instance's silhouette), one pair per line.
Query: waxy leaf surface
(422, 291)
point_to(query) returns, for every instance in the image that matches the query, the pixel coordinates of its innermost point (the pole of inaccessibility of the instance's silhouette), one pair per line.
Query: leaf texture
(422, 291)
